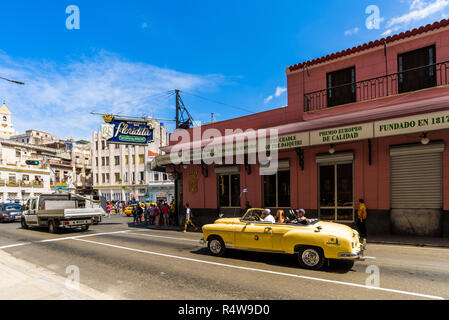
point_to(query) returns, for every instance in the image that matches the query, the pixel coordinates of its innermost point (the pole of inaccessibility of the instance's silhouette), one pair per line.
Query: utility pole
(183, 118)
(177, 108)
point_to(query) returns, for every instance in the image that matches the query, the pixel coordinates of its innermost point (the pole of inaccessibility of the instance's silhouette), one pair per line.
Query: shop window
(229, 190)
(417, 69)
(336, 192)
(341, 87)
(276, 190)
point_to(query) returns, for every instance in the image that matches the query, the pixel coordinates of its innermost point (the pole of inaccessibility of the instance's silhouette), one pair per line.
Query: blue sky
(127, 54)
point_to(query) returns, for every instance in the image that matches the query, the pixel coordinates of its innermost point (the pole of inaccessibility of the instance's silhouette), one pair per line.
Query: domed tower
(6, 127)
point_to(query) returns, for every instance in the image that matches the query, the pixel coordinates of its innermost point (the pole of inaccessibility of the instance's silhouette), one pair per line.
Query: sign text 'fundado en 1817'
(125, 131)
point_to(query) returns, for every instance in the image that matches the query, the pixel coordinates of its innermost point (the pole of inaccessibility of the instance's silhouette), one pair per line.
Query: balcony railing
(428, 76)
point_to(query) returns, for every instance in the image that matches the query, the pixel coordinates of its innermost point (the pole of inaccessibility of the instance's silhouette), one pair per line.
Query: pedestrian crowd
(157, 214)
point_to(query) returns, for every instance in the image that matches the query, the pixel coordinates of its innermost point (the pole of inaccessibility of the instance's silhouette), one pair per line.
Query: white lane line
(15, 245)
(264, 271)
(61, 239)
(164, 237)
(80, 237)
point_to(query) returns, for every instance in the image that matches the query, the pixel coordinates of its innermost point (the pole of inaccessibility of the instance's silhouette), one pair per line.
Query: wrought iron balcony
(428, 76)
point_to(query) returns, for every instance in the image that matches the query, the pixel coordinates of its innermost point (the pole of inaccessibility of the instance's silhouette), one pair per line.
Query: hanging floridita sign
(126, 131)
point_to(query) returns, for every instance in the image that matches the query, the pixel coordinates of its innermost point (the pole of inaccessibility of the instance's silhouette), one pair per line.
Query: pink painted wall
(370, 182)
(368, 64)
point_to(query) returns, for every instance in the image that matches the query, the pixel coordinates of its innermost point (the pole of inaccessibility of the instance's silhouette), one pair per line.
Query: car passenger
(302, 217)
(267, 217)
(280, 216)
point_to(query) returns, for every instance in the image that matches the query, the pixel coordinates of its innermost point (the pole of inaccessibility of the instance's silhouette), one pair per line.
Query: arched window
(5, 119)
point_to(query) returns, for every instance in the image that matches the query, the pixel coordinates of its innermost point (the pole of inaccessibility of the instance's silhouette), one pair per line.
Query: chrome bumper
(202, 242)
(357, 255)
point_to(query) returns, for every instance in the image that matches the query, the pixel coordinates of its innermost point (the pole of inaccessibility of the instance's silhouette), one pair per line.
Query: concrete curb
(398, 243)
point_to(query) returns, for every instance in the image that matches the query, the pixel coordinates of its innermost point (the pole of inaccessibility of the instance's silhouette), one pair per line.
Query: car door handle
(268, 228)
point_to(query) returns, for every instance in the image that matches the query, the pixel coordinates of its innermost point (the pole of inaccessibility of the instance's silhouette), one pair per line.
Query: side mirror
(221, 215)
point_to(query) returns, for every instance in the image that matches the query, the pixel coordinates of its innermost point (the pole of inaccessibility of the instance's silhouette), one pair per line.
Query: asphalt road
(129, 262)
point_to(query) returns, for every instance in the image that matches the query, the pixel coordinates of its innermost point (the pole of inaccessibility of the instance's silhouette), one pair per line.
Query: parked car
(313, 242)
(10, 212)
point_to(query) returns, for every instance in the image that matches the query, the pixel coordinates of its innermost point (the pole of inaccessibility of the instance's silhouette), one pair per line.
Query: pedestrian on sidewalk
(108, 209)
(134, 212)
(151, 214)
(166, 214)
(361, 218)
(157, 216)
(189, 218)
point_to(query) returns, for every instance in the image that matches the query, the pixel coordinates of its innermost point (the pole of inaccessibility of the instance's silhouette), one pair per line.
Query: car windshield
(252, 215)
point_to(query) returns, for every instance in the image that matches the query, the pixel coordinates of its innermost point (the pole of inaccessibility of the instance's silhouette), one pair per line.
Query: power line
(218, 102)
(149, 97)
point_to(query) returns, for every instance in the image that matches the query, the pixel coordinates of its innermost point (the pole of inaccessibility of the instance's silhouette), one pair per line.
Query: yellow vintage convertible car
(313, 242)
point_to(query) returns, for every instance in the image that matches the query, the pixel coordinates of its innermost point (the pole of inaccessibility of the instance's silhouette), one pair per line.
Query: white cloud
(144, 25)
(58, 98)
(351, 32)
(268, 99)
(418, 10)
(279, 91)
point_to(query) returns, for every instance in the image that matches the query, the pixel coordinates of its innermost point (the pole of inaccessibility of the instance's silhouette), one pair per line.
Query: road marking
(61, 239)
(264, 271)
(164, 237)
(15, 245)
(80, 237)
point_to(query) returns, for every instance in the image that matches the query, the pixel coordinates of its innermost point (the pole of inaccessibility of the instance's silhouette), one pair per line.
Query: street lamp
(13, 81)
(424, 139)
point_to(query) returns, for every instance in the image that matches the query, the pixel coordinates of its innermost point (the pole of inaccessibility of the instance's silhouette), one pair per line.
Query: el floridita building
(368, 122)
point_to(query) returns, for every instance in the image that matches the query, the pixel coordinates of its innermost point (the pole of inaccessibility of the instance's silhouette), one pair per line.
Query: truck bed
(70, 213)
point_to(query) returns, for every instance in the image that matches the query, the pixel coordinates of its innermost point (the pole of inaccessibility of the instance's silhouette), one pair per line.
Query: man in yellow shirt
(361, 218)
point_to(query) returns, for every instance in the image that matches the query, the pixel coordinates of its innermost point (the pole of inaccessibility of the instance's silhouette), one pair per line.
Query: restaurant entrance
(336, 187)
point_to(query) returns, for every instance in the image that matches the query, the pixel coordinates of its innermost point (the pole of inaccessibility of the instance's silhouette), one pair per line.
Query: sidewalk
(22, 280)
(410, 240)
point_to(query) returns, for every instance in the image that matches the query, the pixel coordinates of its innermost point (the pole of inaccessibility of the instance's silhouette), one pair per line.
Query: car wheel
(52, 227)
(23, 223)
(216, 246)
(311, 258)
(84, 228)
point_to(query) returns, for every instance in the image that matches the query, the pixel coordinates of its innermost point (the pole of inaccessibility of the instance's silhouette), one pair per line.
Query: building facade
(18, 181)
(160, 185)
(6, 127)
(120, 172)
(370, 122)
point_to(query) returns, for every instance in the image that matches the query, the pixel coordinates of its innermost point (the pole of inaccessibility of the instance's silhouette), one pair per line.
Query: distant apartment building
(70, 160)
(18, 181)
(120, 172)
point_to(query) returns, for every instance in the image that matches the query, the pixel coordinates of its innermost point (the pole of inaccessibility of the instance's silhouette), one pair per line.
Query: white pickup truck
(57, 211)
